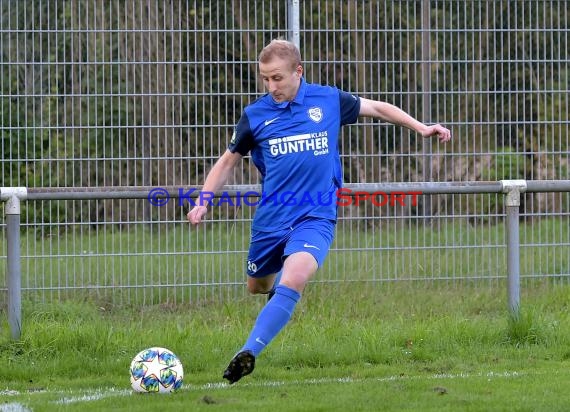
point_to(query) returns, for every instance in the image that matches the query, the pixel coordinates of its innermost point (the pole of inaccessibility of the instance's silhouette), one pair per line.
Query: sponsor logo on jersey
(318, 143)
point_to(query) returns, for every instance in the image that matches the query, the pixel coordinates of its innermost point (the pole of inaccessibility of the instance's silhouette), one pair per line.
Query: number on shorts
(252, 267)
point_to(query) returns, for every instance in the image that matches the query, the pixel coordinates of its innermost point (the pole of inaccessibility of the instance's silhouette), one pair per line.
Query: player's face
(280, 80)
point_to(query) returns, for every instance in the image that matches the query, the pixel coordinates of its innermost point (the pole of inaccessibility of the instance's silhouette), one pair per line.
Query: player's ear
(299, 70)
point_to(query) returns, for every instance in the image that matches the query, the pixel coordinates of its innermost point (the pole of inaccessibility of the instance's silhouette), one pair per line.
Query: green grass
(129, 265)
(430, 340)
(358, 347)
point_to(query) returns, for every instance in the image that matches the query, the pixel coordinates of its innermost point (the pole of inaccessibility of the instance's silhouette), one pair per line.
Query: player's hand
(195, 215)
(437, 130)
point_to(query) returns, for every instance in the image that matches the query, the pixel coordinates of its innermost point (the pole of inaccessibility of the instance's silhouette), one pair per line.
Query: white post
(513, 189)
(293, 22)
(12, 197)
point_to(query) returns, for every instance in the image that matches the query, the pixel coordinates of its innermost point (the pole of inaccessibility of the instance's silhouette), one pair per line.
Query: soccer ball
(156, 370)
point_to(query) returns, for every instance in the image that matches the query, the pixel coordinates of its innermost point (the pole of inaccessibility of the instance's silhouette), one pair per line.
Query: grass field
(358, 347)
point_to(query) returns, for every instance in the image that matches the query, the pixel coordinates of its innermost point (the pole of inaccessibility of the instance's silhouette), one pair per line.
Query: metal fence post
(513, 189)
(293, 22)
(12, 197)
(426, 68)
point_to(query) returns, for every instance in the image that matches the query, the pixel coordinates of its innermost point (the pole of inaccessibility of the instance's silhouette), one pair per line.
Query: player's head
(280, 69)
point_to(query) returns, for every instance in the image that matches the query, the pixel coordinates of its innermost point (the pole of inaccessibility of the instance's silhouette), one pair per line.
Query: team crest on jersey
(316, 114)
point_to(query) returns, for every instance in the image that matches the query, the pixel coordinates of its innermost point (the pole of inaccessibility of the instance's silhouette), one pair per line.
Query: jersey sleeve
(349, 107)
(242, 139)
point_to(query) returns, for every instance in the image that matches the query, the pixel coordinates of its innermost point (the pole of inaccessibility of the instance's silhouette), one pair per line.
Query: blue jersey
(294, 145)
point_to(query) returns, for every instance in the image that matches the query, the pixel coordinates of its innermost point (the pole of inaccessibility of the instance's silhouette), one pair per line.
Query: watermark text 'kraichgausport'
(342, 197)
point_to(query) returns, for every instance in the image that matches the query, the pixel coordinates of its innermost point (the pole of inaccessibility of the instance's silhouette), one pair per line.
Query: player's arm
(393, 114)
(215, 180)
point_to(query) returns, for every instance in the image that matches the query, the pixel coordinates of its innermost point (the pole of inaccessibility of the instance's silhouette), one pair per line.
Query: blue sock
(272, 318)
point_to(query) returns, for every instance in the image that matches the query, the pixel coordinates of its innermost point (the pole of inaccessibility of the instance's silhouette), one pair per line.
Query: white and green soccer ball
(156, 370)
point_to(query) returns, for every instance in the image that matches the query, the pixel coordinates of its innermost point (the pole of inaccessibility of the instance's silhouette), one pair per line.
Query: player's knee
(256, 288)
(252, 289)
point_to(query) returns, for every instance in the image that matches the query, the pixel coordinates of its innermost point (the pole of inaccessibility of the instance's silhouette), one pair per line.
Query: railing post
(12, 197)
(513, 189)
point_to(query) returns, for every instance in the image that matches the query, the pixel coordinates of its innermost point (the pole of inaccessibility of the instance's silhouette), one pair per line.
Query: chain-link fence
(110, 94)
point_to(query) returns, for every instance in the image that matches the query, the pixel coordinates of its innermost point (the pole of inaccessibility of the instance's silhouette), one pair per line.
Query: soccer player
(292, 134)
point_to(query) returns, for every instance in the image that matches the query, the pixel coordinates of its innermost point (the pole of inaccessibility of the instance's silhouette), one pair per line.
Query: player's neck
(296, 91)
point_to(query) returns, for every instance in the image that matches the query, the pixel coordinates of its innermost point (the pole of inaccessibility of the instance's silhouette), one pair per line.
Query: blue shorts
(268, 250)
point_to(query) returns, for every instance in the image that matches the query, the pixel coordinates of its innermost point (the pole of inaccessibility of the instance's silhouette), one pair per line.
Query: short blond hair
(282, 49)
